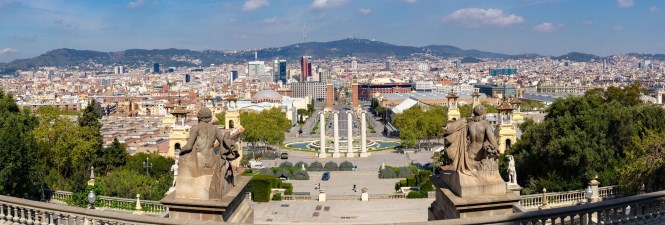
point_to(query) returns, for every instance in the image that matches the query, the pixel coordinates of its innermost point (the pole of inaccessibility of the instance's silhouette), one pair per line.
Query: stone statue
(512, 174)
(471, 144)
(206, 173)
(174, 169)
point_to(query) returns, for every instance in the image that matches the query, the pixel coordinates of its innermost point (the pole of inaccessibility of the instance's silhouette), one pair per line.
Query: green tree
(113, 157)
(221, 118)
(19, 151)
(409, 123)
(267, 126)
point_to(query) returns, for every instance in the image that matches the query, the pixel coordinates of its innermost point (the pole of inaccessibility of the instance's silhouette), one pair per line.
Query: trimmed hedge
(346, 166)
(299, 165)
(277, 197)
(417, 194)
(288, 187)
(286, 164)
(284, 172)
(301, 175)
(261, 185)
(404, 172)
(267, 171)
(316, 166)
(331, 166)
(387, 173)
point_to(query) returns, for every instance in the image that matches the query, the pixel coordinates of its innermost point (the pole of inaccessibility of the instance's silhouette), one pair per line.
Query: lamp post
(91, 199)
(147, 165)
(588, 192)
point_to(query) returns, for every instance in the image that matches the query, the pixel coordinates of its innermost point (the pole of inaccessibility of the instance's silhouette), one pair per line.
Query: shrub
(346, 166)
(261, 185)
(417, 194)
(426, 186)
(402, 183)
(277, 197)
(286, 164)
(288, 187)
(283, 172)
(404, 172)
(387, 173)
(331, 166)
(270, 155)
(413, 169)
(411, 181)
(316, 166)
(248, 172)
(267, 171)
(301, 175)
(299, 165)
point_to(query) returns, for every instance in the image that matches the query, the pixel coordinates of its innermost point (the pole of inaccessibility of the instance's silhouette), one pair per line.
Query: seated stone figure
(473, 149)
(203, 173)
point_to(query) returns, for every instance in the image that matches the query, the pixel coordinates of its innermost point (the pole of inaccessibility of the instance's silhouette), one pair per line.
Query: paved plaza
(342, 212)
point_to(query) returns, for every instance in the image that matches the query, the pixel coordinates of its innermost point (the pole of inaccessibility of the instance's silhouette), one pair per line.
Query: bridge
(638, 209)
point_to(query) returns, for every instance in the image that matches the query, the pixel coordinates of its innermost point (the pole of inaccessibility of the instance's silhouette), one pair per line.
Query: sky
(29, 28)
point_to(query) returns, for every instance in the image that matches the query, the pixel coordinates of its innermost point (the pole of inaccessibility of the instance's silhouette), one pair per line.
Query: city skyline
(546, 27)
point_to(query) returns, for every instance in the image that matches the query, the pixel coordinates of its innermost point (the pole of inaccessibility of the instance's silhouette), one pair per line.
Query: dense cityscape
(349, 131)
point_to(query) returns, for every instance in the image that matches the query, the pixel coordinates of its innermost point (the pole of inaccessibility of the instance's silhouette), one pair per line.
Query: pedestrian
(354, 188)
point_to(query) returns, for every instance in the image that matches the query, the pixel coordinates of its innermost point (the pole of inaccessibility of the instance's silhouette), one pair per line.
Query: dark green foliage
(417, 194)
(331, 166)
(126, 183)
(277, 197)
(20, 164)
(160, 164)
(266, 171)
(315, 166)
(346, 166)
(91, 115)
(286, 164)
(404, 172)
(112, 157)
(301, 175)
(284, 173)
(261, 185)
(411, 181)
(585, 136)
(288, 187)
(299, 165)
(387, 173)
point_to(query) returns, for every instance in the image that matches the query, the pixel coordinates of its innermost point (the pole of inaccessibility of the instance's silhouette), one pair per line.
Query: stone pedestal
(514, 188)
(232, 208)
(322, 195)
(463, 196)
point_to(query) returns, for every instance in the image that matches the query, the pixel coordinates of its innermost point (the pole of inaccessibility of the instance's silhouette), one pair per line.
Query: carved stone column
(349, 129)
(336, 134)
(322, 130)
(363, 135)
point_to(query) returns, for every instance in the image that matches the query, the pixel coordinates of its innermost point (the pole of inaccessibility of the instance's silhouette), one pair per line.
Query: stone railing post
(322, 195)
(138, 210)
(595, 197)
(364, 196)
(545, 204)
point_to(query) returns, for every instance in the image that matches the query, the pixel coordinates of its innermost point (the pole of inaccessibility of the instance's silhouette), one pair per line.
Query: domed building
(270, 96)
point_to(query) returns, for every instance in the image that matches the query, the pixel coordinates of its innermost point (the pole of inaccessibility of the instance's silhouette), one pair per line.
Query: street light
(147, 165)
(91, 199)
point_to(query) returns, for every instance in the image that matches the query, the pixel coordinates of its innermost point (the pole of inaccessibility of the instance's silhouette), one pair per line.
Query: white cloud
(410, 1)
(364, 11)
(136, 4)
(654, 9)
(320, 4)
(7, 51)
(547, 27)
(274, 21)
(625, 3)
(617, 28)
(476, 17)
(254, 4)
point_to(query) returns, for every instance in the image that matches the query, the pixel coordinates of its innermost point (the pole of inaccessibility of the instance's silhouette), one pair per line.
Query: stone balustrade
(297, 198)
(22, 211)
(638, 209)
(113, 203)
(560, 199)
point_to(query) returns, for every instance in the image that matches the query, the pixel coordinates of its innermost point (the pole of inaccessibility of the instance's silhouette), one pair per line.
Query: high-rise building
(256, 69)
(234, 75)
(279, 71)
(119, 70)
(354, 64)
(458, 64)
(155, 68)
(389, 66)
(305, 67)
(188, 78)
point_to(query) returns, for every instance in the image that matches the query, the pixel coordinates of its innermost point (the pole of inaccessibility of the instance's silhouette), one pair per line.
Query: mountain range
(362, 48)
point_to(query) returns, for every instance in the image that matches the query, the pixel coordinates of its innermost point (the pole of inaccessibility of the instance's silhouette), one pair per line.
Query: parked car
(325, 176)
(284, 155)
